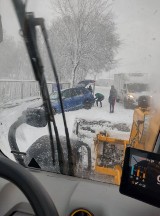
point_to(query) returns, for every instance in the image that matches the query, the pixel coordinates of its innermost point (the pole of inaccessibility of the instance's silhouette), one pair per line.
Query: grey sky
(139, 29)
(40, 7)
(137, 25)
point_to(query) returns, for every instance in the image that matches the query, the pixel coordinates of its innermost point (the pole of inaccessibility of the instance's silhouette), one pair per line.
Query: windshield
(137, 87)
(83, 50)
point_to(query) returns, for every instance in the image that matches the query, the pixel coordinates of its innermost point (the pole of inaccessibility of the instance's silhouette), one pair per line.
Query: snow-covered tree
(83, 37)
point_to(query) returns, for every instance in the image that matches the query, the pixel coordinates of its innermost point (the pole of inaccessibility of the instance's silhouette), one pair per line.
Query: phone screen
(141, 176)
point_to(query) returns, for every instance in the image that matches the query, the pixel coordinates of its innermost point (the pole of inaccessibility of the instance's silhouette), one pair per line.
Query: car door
(67, 100)
(85, 95)
(76, 97)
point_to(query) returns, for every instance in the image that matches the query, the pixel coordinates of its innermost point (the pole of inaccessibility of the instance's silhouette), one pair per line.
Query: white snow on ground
(7, 117)
(26, 134)
(16, 103)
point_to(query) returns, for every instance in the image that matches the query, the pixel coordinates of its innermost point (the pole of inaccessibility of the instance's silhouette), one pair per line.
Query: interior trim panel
(72, 193)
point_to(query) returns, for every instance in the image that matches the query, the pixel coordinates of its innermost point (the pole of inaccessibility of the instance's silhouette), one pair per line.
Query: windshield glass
(91, 45)
(138, 87)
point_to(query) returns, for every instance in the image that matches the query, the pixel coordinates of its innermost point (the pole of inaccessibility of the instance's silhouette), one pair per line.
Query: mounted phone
(141, 176)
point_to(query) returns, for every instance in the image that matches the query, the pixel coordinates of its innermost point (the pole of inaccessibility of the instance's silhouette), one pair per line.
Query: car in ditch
(72, 98)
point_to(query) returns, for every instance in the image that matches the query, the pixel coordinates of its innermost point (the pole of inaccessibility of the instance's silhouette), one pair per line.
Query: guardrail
(11, 90)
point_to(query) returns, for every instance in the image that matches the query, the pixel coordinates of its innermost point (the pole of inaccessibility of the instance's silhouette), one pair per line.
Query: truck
(130, 86)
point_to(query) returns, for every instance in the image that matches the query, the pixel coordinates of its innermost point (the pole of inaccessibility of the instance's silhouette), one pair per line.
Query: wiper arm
(40, 21)
(28, 25)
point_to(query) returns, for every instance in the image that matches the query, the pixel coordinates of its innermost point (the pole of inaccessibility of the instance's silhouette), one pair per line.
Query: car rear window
(85, 91)
(78, 91)
(66, 93)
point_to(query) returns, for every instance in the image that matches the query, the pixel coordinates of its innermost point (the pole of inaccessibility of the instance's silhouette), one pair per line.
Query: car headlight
(131, 96)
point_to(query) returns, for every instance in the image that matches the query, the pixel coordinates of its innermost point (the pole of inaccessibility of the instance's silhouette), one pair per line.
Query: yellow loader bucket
(101, 144)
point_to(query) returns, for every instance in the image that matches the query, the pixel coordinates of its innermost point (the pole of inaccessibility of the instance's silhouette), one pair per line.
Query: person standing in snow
(112, 98)
(99, 98)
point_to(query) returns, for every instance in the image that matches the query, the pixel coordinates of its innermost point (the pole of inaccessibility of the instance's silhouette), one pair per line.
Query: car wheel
(126, 105)
(87, 105)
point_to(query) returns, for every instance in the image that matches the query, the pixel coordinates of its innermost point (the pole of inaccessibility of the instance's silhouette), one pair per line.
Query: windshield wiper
(28, 26)
(40, 21)
(29, 34)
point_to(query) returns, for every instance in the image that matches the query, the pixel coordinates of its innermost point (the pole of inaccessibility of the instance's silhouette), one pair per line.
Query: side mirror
(35, 117)
(1, 31)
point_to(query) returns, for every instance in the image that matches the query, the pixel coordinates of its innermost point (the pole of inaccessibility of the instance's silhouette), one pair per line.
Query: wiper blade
(40, 21)
(28, 25)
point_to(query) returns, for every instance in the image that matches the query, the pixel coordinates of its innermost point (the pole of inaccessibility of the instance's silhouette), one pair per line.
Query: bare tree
(83, 37)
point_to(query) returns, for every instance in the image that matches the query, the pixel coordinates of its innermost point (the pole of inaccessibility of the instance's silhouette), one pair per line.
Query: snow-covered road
(26, 134)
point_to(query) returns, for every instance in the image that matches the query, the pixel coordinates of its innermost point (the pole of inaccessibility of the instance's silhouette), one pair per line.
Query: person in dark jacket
(112, 98)
(99, 98)
(90, 88)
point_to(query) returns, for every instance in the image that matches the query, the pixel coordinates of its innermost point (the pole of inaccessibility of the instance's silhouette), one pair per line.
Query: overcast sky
(138, 25)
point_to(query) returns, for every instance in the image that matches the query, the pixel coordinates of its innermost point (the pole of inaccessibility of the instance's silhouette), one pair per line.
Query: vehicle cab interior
(61, 153)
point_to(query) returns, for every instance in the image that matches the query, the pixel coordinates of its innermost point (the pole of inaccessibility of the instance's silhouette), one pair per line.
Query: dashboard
(71, 193)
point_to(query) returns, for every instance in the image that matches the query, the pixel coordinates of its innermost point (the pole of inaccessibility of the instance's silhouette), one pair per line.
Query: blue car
(73, 98)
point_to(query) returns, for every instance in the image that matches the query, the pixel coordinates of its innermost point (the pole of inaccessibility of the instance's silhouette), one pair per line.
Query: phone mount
(141, 176)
